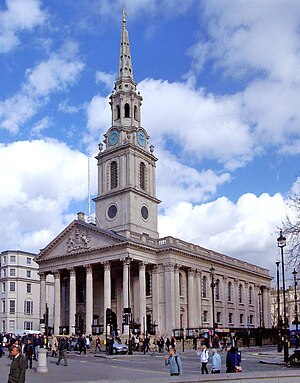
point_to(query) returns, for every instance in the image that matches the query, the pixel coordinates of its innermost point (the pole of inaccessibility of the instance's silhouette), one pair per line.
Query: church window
(148, 284)
(112, 211)
(135, 112)
(229, 296)
(145, 212)
(142, 176)
(113, 175)
(126, 110)
(204, 287)
(118, 112)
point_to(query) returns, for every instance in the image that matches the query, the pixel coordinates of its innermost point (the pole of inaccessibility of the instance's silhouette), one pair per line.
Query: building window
(229, 296)
(3, 287)
(180, 285)
(118, 112)
(12, 306)
(142, 176)
(205, 316)
(28, 287)
(12, 272)
(28, 325)
(241, 318)
(3, 307)
(11, 325)
(113, 175)
(4, 260)
(4, 273)
(241, 297)
(251, 319)
(217, 289)
(230, 318)
(28, 307)
(204, 287)
(12, 259)
(28, 261)
(250, 295)
(3, 326)
(218, 319)
(135, 113)
(148, 284)
(28, 273)
(126, 110)
(12, 286)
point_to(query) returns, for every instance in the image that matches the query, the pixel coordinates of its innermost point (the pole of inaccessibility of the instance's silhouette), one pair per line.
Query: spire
(125, 66)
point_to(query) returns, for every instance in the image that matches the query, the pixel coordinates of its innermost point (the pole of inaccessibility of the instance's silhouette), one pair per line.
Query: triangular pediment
(79, 237)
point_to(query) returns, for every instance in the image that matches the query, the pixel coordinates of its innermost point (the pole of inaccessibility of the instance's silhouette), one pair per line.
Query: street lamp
(296, 304)
(128, 260)
(282, 243)
(279, 345)
(213, 285)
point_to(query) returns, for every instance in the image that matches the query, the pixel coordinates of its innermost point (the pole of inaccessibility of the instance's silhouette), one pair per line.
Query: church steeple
(125, 65)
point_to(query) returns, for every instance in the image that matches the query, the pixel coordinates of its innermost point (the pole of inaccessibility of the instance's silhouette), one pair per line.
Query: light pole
(296, 304)
(128, 260)
(281, 240)
(213, 285)
(279, 345)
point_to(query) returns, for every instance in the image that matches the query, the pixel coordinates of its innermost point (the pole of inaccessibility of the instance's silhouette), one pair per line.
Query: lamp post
(128, 260)
(213, 285)
(279, 345)
(281, 240)
(296, 305)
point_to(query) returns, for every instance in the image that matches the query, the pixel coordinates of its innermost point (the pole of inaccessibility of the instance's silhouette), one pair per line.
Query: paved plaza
(139, 367)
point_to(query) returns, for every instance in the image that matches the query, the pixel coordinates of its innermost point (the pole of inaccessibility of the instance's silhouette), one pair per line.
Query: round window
(144, 212)
(112, 211)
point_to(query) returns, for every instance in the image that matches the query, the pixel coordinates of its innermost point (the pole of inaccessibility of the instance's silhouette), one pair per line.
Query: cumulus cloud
(56, 74)
(246, 229)
(42, 178)
(18, 16)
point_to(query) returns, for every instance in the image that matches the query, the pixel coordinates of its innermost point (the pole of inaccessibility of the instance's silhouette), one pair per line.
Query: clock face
(113, 137)
(141, 138)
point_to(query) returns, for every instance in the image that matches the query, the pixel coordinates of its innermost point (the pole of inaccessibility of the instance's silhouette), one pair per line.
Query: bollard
(42, 361)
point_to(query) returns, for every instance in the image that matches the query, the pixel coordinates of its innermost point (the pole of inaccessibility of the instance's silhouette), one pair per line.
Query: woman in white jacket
(204, 356)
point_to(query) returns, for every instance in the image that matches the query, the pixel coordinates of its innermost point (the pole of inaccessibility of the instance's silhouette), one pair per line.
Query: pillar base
(42, 366)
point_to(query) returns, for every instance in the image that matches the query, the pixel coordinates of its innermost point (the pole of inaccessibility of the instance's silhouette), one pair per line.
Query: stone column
(266, 307)
(177, 297)
(57, 301)
(72, 302)
(43, 278)
(89, 299)
(169, 298)
(142, 294)
(225, 302)
(125, 284)
(236, 303)
(107, 289)
(199, 300)
(191, 298)
(246, 303)
(155, 298)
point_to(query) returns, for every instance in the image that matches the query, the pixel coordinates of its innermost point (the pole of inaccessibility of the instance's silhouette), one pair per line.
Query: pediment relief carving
(78, 240)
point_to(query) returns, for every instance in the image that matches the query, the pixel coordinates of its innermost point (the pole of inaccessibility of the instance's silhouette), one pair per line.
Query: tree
(291, 229)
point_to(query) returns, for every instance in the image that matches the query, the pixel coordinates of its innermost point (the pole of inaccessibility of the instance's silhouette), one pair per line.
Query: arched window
(113, 175)
(241, 298)
(126, 110)
(217, 289)
(142, 176)
(118, 112)
(135, 112)
(229, 295)
(148, 284)
(250, 295)
(204, 287)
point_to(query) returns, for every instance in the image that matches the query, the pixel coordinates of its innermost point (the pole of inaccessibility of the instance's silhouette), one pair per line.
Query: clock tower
(126, 200)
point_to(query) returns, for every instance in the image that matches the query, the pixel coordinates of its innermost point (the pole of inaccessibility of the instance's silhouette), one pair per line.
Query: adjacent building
(121, 262)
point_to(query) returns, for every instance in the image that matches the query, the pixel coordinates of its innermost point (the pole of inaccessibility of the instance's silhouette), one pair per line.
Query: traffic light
(109, 316)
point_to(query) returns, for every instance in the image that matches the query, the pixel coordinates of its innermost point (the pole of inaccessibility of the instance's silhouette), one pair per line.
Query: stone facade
(168, 282)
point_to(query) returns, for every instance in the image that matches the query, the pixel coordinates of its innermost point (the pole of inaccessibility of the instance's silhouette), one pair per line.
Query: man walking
(17, 367)
(174, 362)
(63, 348)
(29, 352)
(216, 362)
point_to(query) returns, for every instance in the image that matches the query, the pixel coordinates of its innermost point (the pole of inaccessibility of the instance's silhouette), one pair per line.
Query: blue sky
(221, 85)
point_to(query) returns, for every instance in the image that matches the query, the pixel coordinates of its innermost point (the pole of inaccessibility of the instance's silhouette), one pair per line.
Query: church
(119, 264)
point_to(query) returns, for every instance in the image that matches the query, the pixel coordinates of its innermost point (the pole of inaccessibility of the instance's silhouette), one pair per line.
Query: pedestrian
(63, 348)
(97, 344)
(18, 365)
(204, 357)
(194, 342)
(233, 360)
(216, 362)
(53, 346)
(29, 352)
(82, 345)
(174, 362)
(36, 344)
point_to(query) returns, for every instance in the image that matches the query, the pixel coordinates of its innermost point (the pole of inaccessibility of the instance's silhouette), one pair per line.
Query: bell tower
(126, 200)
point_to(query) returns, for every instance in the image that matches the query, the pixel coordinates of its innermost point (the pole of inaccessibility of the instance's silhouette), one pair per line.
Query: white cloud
(19, 15)
(56, 74)
(42, 179)
(246, 229)
(108, 79)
